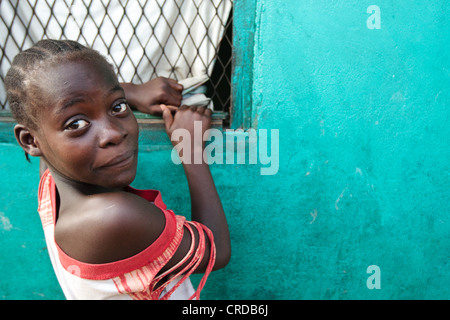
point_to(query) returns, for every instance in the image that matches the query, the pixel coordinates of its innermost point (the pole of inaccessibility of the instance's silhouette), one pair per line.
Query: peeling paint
(5, 223)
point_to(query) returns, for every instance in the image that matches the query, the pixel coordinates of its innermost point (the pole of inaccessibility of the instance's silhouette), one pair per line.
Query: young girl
(107, 240)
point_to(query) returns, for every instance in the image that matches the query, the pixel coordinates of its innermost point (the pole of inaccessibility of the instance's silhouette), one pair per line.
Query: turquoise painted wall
(364, 150)
(363, 172)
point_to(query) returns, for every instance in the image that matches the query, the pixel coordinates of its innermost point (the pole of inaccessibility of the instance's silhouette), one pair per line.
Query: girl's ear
(27, 140)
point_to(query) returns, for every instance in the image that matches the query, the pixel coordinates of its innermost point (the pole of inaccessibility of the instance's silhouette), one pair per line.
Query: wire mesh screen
(143, 39)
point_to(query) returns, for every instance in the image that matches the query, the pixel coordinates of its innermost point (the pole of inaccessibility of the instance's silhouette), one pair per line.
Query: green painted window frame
(244, 28)
(142, 118)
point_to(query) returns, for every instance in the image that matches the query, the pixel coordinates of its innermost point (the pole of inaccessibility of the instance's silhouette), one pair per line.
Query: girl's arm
(206, 207)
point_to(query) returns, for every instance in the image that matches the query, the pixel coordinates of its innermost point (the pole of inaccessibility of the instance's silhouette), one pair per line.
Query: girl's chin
(120, 181)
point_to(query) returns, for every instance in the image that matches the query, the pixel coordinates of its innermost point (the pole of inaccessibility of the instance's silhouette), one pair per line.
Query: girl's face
(87, 132)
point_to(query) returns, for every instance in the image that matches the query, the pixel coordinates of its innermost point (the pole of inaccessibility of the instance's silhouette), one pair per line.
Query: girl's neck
(76, 187)
(72, 192)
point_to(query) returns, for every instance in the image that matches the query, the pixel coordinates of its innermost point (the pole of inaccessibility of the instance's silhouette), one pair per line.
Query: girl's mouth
(120, 161)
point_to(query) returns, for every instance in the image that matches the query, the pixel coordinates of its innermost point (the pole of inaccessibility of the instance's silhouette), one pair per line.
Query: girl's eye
(77, 124)
(119, 108)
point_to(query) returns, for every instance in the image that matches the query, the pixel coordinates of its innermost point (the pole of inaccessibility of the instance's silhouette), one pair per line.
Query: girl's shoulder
(110, 227)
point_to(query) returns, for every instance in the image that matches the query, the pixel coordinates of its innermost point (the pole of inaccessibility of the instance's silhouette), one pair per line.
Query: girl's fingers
(167, 117)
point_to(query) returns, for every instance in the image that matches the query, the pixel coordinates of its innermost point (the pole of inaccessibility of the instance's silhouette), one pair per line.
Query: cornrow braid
(22, 100)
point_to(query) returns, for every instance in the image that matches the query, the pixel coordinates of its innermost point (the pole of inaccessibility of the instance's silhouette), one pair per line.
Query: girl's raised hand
(186, 118)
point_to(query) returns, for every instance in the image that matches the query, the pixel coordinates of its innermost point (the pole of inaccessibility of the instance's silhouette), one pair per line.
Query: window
(143, 39)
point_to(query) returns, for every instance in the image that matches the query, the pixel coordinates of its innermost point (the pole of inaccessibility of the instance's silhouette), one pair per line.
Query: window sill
(146, 119)
(142, 118)
(6, 116)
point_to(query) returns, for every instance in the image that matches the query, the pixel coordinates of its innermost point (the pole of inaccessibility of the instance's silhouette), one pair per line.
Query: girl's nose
(111, 133)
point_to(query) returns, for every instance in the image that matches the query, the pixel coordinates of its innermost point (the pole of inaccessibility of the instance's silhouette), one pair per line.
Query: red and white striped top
(135, 277)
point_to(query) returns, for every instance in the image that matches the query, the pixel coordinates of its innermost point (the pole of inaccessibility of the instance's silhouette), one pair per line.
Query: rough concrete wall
(364, 148)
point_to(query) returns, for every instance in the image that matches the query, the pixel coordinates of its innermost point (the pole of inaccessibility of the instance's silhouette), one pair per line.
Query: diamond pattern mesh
(144, 39)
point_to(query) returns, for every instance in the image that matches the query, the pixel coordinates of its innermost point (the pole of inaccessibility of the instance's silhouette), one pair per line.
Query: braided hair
(20, 81)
